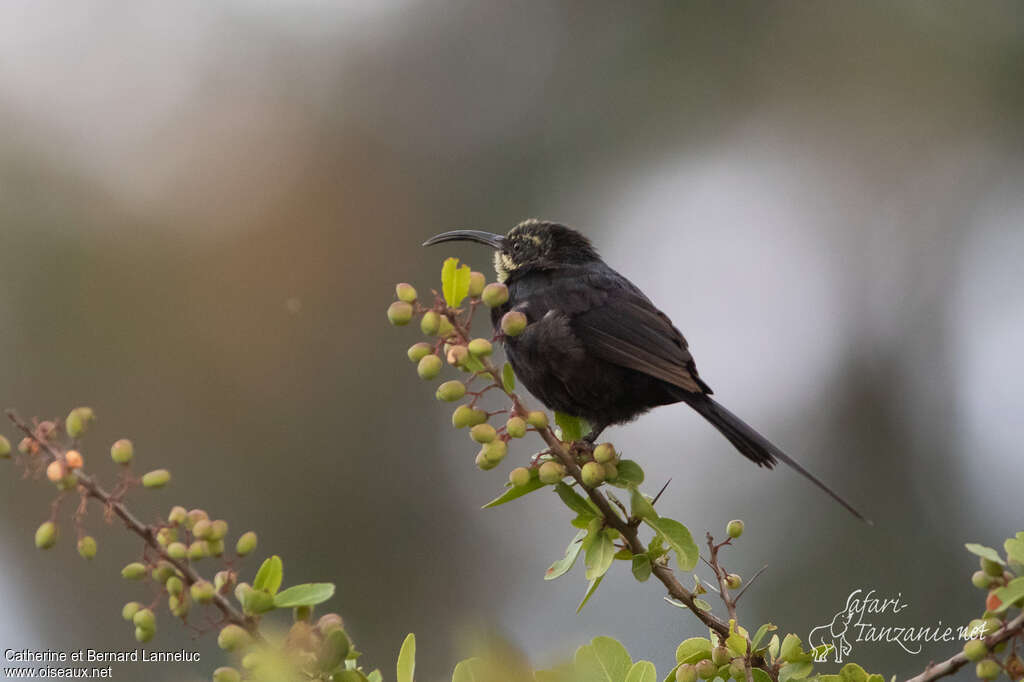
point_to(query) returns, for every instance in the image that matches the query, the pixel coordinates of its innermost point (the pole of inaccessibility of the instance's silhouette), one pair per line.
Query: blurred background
(205, 207)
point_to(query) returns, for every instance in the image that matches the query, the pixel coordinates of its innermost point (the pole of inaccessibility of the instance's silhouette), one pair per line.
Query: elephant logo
(832, 637)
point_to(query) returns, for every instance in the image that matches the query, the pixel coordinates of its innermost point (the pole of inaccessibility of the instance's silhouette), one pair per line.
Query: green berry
(73, 425)
(592, 474)
(166, 536)
(5, 448)
(988, 669)
(233, 638)
(218, 529)
(738, 669)
(495, 451)
(430, 323)
(446, 328)
(164, 571)
(418, 351)
(611, 471)
(537, 419)
(179, 604)
(457, 355)
(157, 478)
(144, 635)
(975, 650)
(483, 433)
(223, 581)
(177, 515)
(734, 528)
(515, 427)
(981, 580)
(122, 451)
(551, 473)
(992, 624)
(202, 529)
(477, 282)
(405, 292)
(129, 610)
(519, 477)
(494, 294)
(199, 549)
(464, 416)
(480, 348)
(992, 568)
(399, 313)
(87, 547)
(733, 581)
(513, 323)
(177, 550)
(134, 571)
(46, 535)
(483, 463)
(450, 391)
(202, 591)
(687, 672)
(144, 619)
(706, 669)
(720, 655)
(246, 544)
(226, 674)
(604, 453)
(174, 585)
(429, 367)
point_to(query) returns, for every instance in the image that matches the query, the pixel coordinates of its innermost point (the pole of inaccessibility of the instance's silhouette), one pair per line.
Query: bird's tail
(754, 446)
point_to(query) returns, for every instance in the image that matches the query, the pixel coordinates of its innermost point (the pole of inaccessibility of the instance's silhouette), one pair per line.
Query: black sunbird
(595, 346)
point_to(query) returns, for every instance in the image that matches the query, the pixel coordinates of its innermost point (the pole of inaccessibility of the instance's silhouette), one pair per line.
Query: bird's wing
(627, 330)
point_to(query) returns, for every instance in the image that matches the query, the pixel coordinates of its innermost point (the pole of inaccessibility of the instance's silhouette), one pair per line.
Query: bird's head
(531, 245)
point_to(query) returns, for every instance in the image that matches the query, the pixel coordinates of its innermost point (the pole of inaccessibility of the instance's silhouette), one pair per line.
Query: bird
(595, 346)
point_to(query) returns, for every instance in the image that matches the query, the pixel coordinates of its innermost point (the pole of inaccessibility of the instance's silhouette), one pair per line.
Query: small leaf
(693, 649)
(270, 575)
(641, 506)
(985, 552)
(515, 492)
(791, 649)
(573, 500)
(641, 567)
(591, 589)
(795, 671)
(702, 605)
(562, 566)
(454, 282)
(1015, 549)
(307, 594)
(571, 427)
(470, 670)
(760, 675)
(737, 644)
(603, 660)
(677, 537)
(508, 378)
(630, 474)
(407, 659)
(334, 649)
(599, 555)
(773, 647)
(642, 671)
(1009, 594)
(761, 632)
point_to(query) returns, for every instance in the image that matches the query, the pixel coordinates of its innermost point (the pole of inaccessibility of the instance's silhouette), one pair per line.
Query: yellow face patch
(503, 265)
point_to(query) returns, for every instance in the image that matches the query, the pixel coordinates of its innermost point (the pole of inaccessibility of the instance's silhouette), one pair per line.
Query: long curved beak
(495, 241)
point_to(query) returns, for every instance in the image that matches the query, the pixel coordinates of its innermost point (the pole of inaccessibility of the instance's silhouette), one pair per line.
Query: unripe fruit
(55, 470)
(457, 355)
(134, 571)
(519, 476)
(163, 571)
(480, 348)
(405, 292)
(445, 329)
(129, 610)
(202, 529)
(430, 323)
(218, 529)
(464, 415)
(5, 448)
(28, 446)
(329, 622)
(992, 568)
(226, 675)
(551, 473)
(73, 459)
(992, 624)
(738, 669)
(87, 547)
(515, 427)
(494, 294)
(157, 478)
(988, 669)
(733, 581)
(144, 619)
(494, 451)
(513, 323)
(233, 638)
(537, 419)
(166, 536)
(450, 391)
(73, 425)
(122, 451)
(202, 591)
(177, 550)
(198, 550)
(143, 635)
(179, 605)
(477, 282)
(611, 471)
(177, 515)
(250, 661)
(223, 581)
(399, 313)
(483, 463)
(720, 655)
(734, 528)
(46, 535)
(706, 669)
(418, 351)
(687, 672)
(483, 433)
(981, 580)
(174, 585)
(592, 474)
(258, 601)
(246, 544)
(429, 367)
(975, 650)
(604, 453)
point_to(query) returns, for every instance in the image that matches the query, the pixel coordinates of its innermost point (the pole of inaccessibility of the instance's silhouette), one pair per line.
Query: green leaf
(591, 589)
(630, 474)
(574, 500)
(334, 649)
(795, 671)
(737, 644)
(572, 428)
(562, 566)
(473, 364)
(641, 506)
(702, 605)
(760, 675)
(1015, 549)
(470, 670)
(642, 671)
(791, 649)
(641, 567)
(678, 538)
(773, 647)
(307, 594)
(513, 492)
(985, 552)
(508, 377)
(761, 632)
(599, 554)
(1009, 594)
(270, 575)
(693, 649)
(349, 676)
(603, 660)
(407, 659)
(454, 282)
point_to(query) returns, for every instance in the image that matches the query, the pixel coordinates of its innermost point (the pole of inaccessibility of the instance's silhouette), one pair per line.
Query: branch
(951, 665)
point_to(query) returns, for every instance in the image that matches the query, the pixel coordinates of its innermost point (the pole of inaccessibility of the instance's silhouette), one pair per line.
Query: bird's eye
(517, 246)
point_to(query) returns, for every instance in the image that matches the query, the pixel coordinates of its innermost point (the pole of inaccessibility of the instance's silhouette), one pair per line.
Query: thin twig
(954, 663)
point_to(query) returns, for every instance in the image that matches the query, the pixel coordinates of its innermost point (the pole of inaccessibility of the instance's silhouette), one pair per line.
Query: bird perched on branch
(595, 346)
